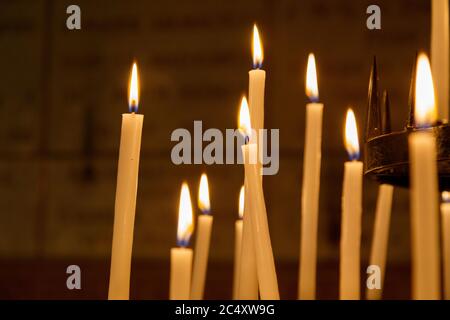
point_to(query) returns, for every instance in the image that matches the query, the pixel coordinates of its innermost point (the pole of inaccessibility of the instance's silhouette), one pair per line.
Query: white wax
(180, 273)
(237, 256)
(310, 201)
(424, 218)
(349, 285)
(257, 78)
(440, 54)
(445, 211)
(381, 236)
(265, 264)
(201, 252)
(125, 206)
(247, 276)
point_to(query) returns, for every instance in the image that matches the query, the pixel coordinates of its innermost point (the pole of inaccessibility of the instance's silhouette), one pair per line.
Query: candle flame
(312, 90)
(241, 202)
(133, 90)
(244, 123)
(203, 195)
(257, 49)
(446, 196)
(425, 105)
(185, 217)
(351, 136)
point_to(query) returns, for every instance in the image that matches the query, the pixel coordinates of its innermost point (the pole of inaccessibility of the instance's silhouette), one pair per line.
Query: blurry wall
(62, 94)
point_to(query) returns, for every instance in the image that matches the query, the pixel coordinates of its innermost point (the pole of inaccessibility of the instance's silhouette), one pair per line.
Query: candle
(238, 244)
(265, 265)
(257, 78)
(204, 225)
(248, 280)
(311, 186)
(351, 215)
(181, 257)
(445, 211)
(440, 54)
(126, 190)
(424, 189)
(381, 236)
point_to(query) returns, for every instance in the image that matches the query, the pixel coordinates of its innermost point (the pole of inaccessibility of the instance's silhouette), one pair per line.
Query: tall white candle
(310, 186)
(257, 79)
(201, 252)
(126, 190)
(424, 189)
(351, 215)
(265, 265)
(440, 54)
(381, 236)
(238, 244)
(445, 211)
(248, 280)
(181, 257)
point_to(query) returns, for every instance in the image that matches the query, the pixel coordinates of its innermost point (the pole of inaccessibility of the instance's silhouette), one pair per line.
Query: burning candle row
(254, 269)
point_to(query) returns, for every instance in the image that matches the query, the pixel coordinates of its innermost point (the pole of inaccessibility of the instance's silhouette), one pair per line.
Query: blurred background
(62, 93)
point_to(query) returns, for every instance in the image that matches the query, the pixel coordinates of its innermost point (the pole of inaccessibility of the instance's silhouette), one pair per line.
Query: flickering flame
(133, 90)
(241, 202)
(257, 49)
(312, 90)
(185, 217)
(244, 123)
(351, 135)
(203, 195)
(446, 196)
(425, 105)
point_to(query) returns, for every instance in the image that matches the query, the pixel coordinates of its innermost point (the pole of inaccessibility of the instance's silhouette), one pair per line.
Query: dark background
(62, 94)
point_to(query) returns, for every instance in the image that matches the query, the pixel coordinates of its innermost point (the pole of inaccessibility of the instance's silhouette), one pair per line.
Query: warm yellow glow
(185, 216)
(133, 90)
(446, 196)
(312, 90)
(203, 194)
(241, 202)
(257, 49)
(425, 105)
(244, 122)
(351, 135)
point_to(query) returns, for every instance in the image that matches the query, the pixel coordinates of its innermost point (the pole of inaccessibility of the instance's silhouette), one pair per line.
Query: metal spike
(385, 114)
(373, 120)
(412, 95)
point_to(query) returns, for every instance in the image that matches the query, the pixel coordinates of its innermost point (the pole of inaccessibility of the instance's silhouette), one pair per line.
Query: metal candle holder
(386, 157)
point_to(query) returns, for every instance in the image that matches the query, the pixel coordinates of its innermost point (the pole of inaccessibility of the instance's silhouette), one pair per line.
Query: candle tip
(312, 90)
(351, 135)
(185, 217)
(203, 195)
(425, 112)
(257, 49)
(133, 90)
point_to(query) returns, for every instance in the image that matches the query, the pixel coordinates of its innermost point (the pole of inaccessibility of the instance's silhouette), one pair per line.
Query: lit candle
(351, 215)
(248, 279)
(201, 252)
(311, 186)
(440, 54)
(257, 79)
(445, 211)
(381, 236)
(126, 190)
(181, 257)
(238, 243)
(265, 264)
(424, 189)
